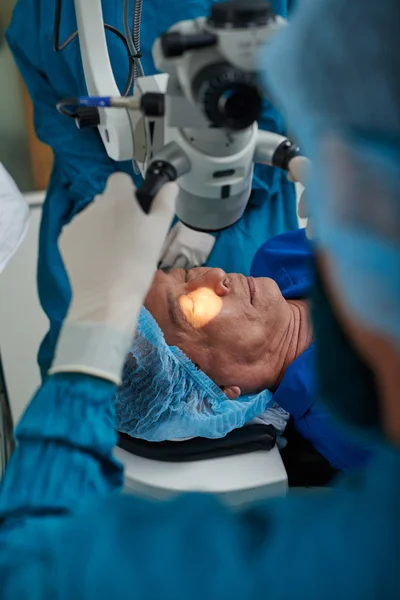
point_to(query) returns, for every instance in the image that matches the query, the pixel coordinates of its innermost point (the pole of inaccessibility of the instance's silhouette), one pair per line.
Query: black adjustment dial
(240, 14)
(87, 117)
(230, 98)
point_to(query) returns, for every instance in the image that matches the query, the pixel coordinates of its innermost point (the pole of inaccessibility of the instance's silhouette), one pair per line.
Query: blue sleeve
(64, 449)
(287, 259)
(81, 166)
(342, 447)
(193, 547)
(82, 163)
(64, 534)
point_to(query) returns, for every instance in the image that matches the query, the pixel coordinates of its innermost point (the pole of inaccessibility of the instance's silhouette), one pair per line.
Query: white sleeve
(14, 218)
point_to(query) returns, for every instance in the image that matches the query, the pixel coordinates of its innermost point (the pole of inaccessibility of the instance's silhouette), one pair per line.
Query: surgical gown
(66, 534)
(81, 166)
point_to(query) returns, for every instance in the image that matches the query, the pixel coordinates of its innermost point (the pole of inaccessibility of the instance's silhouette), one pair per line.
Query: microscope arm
(299, 167)
(278, 151)
(115, 125)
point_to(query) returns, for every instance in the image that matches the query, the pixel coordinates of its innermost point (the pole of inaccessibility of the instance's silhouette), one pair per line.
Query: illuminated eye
(187, 305)
(200, 306)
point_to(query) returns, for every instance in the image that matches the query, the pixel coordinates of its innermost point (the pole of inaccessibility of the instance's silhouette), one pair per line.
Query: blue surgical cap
(164, 396)
(335, 71)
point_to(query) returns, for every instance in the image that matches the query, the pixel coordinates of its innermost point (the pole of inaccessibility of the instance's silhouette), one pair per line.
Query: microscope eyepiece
(230, 98)
(175, 43)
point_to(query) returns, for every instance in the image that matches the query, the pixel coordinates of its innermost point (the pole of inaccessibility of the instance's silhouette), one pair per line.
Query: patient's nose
(215, 279)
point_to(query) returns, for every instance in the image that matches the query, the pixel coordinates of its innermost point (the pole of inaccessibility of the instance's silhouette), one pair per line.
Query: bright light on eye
(200, 306)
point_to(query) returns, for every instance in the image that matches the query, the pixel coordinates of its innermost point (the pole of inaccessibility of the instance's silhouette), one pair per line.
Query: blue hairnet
(163, 395)
(336, 72)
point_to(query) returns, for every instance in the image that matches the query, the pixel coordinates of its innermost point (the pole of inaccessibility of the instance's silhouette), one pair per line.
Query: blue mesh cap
(163, 395)
(336, 72)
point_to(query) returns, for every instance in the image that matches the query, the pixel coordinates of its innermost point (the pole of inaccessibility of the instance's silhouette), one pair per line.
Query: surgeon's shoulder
(31, 28)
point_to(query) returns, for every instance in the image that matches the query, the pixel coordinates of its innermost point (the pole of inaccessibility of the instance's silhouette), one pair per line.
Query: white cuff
(92, 349)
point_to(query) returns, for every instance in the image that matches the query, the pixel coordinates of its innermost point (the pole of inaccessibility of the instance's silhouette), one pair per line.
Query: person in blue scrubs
(81, 165)
(65, 533)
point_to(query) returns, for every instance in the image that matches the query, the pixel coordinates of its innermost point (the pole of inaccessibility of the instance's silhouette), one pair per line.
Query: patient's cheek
(200, 307)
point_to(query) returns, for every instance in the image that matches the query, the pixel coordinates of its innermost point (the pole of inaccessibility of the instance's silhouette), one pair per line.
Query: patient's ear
(232, 392)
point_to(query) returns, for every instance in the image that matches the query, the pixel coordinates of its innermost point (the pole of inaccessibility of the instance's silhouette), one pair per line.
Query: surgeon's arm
(80, 154)
(50, 76)
(64, 452)
(338, 544)
(66, 437)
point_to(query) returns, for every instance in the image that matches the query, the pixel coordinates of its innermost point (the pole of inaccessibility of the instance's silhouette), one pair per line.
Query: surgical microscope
(194, 123)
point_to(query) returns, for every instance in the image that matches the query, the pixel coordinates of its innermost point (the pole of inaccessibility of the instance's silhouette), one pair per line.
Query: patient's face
(225, 323)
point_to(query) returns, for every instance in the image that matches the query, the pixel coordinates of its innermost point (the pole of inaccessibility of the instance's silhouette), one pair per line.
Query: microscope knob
(87, 116)
(158, 174)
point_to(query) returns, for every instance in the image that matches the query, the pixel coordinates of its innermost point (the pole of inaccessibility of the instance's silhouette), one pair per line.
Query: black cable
(131, 60)
(57, 47)
(67, 102)
(131, 76)
(136, 26)
(8, 442)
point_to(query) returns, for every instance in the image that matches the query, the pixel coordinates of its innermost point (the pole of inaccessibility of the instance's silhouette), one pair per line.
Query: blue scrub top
(65, 534)
(81, 165)
(287, 259)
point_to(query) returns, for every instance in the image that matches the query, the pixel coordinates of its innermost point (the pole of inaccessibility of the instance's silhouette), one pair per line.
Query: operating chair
(244, 466)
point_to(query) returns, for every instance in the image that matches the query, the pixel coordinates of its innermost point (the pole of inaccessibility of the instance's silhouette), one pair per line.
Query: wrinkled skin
(251, 332)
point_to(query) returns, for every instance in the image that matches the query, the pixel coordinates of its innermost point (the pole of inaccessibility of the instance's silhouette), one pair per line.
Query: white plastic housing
(115, 125)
